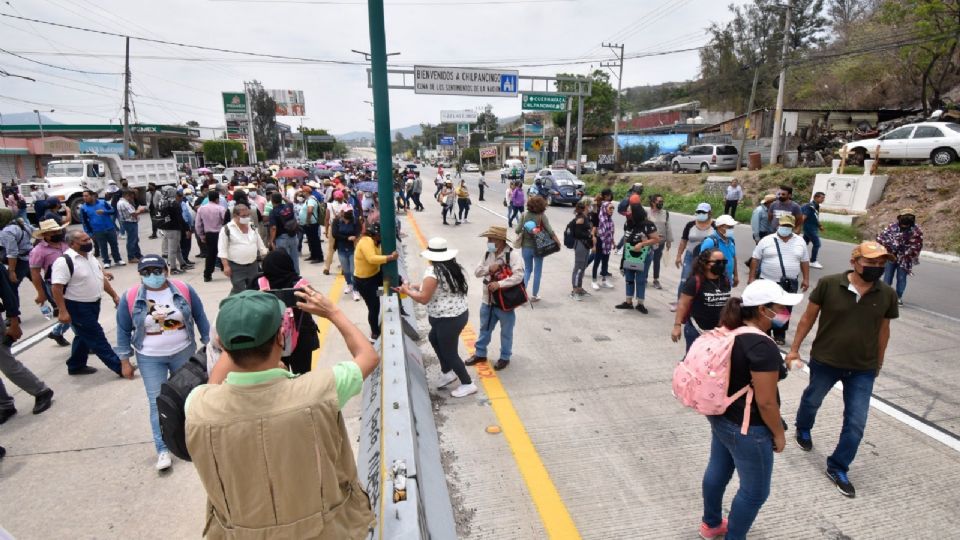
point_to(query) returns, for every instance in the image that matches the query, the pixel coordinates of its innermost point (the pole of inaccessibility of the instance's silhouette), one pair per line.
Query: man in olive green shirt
(855, 309)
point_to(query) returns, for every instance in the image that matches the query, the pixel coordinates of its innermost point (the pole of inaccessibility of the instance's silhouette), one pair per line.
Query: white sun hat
(437, 251)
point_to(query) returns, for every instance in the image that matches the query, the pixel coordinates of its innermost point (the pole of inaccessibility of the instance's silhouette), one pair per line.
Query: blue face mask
(491, 247)
(702, 217)
(154, 282)
(785, 231)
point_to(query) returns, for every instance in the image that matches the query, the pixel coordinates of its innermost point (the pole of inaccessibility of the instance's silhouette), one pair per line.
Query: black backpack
(288, 217)
(173, 397)
(569, 240)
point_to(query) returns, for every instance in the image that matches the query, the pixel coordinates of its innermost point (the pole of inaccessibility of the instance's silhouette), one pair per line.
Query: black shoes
(61, 341)
(804, 441)
(85, 370)
(474, 359)
(5, 414)
(3, 452)
(501, 364)
(624, 305)
(642, 309)
(207, 279)
(44, 400)
(843, 484)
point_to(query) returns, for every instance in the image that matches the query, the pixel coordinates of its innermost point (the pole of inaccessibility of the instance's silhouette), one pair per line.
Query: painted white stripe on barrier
(31, 341)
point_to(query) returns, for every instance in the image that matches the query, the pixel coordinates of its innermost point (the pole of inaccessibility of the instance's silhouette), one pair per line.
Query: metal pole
(126, 102)
(579, 133)
(566, 142)
(778, 116)
(40, 123)
(381, 115)
(523, 139)
(251, 140)
(746, 121)
(616, 119)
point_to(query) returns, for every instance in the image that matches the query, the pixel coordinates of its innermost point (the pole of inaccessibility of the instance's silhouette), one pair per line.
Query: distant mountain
(409, 131)
(14, 119)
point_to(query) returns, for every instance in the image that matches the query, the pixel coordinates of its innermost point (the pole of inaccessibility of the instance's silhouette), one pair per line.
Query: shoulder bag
(545, 244)
(787, 284)
(509, 298)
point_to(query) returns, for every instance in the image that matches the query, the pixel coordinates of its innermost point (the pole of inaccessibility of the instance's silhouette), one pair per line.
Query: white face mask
(491, 247)
(244, 220)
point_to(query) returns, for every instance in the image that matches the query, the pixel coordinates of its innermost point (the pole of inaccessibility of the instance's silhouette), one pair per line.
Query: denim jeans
(132, 230)
(685, 270)
(59, 329)
(312, 232)
(516, 212)
(751, 455)
(289, 244)
(690, 334)
(107, 239)
(532, 265)
(636, 280)
(489, 317)
(813, 238)
(601, 261)
(657, 257)
(888, 272)
(85, 321)
(857, 388)
(346, 264)
(155, 370)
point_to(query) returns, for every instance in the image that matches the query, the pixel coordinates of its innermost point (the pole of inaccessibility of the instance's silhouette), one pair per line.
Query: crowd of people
(252, 230)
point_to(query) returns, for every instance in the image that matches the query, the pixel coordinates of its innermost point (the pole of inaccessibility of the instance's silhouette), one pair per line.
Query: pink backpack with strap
(132, 293)
(702, 380)
(289, 326)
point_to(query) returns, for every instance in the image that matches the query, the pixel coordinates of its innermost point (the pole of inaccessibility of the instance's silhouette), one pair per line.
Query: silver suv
(706, 158)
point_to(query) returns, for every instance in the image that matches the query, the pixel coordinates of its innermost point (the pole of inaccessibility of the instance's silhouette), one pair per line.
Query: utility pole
(566, 141)
(381, 115)
(746, 121)
(610, 65)
(126, 102)
(778, 116)
(579, 133)
(523, 139)
(251, 140)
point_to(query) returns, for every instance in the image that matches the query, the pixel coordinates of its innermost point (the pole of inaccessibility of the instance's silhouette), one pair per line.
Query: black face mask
(907, 223)
(86, 248)
(783, 198)
(55, 238)
(659, 206)
(718, 267)
(871, 273)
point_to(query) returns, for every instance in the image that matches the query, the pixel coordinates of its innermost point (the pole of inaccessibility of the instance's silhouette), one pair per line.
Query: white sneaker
(445, 379)
(606, 284)
(356, 296)
(816, 265)
(595, 285)
(106, 265)
(163, 461)
(464, 390)
(120, 263)
(348, 290)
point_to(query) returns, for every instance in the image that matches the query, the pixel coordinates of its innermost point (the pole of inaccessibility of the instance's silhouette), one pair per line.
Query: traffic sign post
(543, 102)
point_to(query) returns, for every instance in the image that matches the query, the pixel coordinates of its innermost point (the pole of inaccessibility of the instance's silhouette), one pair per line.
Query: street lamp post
(40, 123)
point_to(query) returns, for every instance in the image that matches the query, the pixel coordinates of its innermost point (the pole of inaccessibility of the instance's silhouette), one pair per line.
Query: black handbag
(787, 284)
(509, 298)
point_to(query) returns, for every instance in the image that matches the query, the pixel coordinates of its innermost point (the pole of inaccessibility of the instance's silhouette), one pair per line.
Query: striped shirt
(794, 252)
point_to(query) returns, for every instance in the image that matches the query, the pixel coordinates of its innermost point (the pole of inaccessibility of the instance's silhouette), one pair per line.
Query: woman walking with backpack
(444, 292)
(278, 273)
(702, 297)
(694, 232)
(156, 320)
(533, 220)
(583, 245)
(755, 363)
(639, 237)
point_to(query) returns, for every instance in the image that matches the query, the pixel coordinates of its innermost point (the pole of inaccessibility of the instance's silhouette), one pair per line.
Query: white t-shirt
(86, 284)
(164, 330)
(794, 252)
(445, 303)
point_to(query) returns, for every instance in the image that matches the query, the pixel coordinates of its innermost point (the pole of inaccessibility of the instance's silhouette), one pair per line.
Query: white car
(471, 167)
(938, 142)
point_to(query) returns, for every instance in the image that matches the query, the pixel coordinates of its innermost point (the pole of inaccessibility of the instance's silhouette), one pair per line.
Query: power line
(59, 67)
(388, 4)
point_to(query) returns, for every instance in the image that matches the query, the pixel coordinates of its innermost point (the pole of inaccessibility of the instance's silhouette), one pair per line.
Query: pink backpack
(289, 327)
(132, 293)
(702, 380)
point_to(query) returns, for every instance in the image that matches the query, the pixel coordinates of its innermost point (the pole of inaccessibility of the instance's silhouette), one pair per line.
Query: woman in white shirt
(239, 246)
(444, 291)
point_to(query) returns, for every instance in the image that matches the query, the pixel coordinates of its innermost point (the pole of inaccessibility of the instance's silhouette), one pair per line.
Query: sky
(173, 84)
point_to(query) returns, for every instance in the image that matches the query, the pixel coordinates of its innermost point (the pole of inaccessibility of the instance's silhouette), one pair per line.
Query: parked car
(512, 169)
(659, 163)
(471, 167)
(706, 158)
(938, 142)
(557, 187)
(589, 167)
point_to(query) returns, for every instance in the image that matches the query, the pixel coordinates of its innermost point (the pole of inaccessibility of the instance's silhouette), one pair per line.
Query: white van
(512, 169)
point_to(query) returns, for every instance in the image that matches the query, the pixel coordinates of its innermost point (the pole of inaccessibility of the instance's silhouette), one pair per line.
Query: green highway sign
(543, 102)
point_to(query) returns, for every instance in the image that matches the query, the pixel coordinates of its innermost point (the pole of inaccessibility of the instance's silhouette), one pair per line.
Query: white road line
(501, 216)
(31, 341)
(931, 312)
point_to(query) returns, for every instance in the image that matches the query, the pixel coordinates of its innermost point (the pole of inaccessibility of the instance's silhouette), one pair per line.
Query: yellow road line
(553, 513)
(323, 327)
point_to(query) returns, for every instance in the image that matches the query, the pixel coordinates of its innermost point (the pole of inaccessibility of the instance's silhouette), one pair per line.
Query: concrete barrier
(399, 456)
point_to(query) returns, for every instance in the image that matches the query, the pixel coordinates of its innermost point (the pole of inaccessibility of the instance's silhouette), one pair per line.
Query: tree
(265, 131)
(193, 123)
(168, 146)
(598, 109)
(487, 123)
(317, 150)
(843, 14)
(222, 151)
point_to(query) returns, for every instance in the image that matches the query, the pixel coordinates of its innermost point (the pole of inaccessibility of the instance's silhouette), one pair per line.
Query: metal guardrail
(399, 456)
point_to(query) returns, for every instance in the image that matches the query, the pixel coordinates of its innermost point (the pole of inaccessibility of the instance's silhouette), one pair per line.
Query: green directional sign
(543, 102)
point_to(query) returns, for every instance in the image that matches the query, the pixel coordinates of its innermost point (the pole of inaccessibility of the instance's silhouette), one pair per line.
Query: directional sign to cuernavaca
(465, 81)
(543, 102)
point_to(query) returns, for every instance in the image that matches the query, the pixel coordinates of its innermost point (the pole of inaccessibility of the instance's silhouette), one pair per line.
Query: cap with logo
(151, 261)
(248, 319)
(871, 250)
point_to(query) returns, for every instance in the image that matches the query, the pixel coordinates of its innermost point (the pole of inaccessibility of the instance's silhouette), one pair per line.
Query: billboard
(488, 152)
(462, 81)
(289, 102)
(234, 106)
(458, 117)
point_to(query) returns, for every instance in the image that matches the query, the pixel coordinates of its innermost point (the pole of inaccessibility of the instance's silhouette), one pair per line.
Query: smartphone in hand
(287, 296)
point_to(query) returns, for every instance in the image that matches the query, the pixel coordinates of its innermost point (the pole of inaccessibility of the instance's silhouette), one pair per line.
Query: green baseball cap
(248, 319)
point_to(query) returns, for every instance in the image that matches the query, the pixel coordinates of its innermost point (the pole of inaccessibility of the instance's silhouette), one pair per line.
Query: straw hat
(495, 233)
(47, 226)
(437, 251)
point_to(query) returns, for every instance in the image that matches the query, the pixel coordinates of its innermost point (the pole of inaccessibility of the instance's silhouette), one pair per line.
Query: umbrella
(321, 166)
(291, 173)
(204, 170)
(366, 186)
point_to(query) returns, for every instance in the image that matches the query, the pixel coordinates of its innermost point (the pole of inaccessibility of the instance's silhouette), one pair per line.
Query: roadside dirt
(934, 193)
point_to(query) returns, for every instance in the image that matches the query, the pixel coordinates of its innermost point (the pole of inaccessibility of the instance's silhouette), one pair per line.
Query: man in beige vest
(271, 448)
